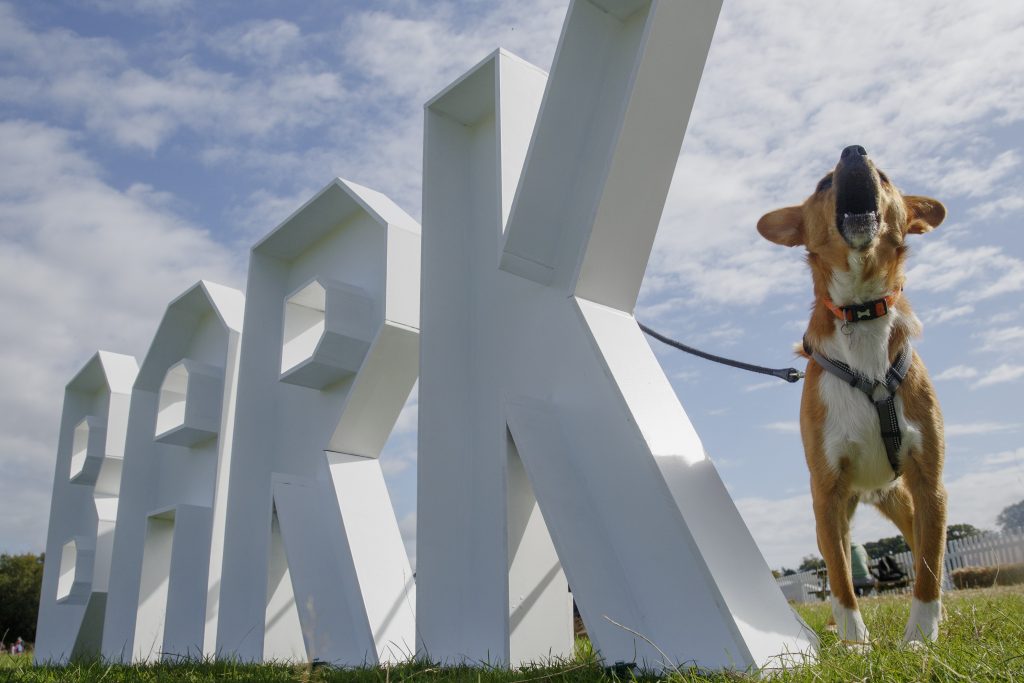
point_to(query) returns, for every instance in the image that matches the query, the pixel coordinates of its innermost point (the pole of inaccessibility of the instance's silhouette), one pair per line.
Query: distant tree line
(21, 577)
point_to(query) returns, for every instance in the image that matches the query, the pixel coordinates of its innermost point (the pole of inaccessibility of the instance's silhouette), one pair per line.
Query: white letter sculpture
(532, 360)
(166, 575)
(314, 563)
(83, 509)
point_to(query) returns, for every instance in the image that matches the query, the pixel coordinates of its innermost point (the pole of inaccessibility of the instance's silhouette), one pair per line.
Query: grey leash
(789, 374)
(889, 424)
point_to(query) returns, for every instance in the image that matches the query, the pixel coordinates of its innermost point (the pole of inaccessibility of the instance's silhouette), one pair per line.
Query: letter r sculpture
(312, 547)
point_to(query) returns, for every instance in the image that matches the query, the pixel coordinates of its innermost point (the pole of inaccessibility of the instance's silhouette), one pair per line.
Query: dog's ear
(783, 226)
(925, 213)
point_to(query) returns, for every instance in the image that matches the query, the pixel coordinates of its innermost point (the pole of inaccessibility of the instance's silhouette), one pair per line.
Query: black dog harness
(892, 437)
(888, 422)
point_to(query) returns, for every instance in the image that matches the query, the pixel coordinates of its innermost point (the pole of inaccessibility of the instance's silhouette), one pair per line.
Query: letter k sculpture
(553, 451)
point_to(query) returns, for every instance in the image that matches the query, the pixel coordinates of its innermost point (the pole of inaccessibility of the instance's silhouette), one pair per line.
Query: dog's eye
(824, 183)
(884, 178)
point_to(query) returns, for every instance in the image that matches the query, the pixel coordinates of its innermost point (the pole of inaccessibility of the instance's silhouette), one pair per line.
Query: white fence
(802, 587)
(989, 550)
(983, 550)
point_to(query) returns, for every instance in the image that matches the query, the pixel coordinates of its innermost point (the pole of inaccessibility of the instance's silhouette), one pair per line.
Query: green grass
(982, 640)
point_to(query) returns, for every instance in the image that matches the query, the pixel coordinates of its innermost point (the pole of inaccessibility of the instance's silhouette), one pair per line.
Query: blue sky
(145, 144)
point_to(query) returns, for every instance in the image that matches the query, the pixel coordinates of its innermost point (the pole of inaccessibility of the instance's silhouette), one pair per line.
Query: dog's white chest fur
(851, 420)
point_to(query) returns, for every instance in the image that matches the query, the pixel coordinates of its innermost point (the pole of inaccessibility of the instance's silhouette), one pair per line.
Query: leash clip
(791, 375)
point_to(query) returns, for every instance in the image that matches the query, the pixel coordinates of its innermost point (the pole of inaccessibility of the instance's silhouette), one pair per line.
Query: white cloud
(393, 464)
(968, 177)
(82, 266)
(408, 418)
(942, 315)
(974, 273)
(651, 312)
(407, 525)
(417, 54)
(1000, 375)
(1014, 456)
(1012, 280)
(1003, 340)
(1006, 316)
(263, 210)
(399, 454)
(758, 386)
(724, 334)
(978, 497)
(156, 7)
(760, 135)
(956, 372)
(972, 428)
(260, 43)
(784, 427)
(998, 207)
(136, 107)
(784, 528)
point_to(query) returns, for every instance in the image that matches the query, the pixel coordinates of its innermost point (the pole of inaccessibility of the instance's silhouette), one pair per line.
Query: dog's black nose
(851, 151)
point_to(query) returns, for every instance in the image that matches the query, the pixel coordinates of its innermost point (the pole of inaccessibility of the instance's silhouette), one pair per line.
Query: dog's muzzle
(859, 229)
(856, 184)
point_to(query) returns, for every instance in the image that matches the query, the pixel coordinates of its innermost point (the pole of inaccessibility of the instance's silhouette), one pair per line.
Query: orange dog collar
(855, 313)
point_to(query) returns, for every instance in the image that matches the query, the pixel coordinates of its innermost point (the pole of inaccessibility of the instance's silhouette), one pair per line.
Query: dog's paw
(849, 624)
(915, 645)
(858, 646)
(923, 624)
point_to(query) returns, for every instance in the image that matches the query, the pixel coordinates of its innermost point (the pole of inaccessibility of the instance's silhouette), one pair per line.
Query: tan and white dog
(869, 418)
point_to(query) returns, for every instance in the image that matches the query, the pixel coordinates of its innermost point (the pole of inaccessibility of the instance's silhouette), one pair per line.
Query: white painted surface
(466, 549)
(87, 450)
(363, 499)
(334, 627)
(83, 508)
(282, 641)
(165, 570)
(533, 333)
(315, 559)
(190, 403)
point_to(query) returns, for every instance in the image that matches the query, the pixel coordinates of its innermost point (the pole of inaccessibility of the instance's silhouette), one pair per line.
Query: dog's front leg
(924, 481)
(832, 501)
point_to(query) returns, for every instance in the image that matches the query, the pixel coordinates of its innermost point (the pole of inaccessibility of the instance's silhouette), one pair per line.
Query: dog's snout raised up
(853, 150)
(856, 183)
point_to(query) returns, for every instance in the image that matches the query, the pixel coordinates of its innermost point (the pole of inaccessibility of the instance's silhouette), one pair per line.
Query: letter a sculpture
(532, 362)
(165, 576)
